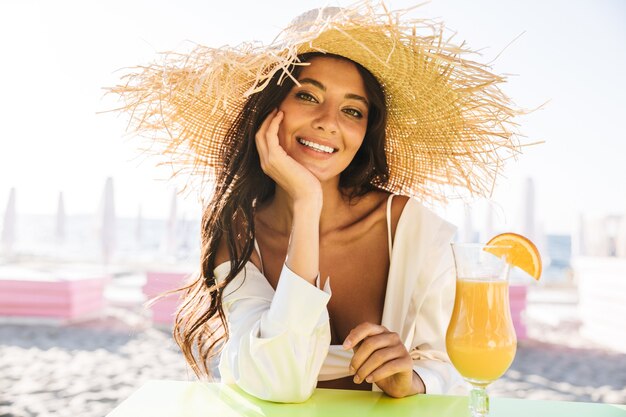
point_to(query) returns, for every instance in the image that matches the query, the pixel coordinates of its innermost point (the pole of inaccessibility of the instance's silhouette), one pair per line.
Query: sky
(565, 55)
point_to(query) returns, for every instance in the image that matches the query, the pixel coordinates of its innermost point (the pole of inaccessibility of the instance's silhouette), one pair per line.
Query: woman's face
(325, 118)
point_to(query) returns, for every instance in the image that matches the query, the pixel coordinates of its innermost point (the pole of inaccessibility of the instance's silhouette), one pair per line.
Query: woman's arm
(305, 193)
(278, 341)
(304, 249)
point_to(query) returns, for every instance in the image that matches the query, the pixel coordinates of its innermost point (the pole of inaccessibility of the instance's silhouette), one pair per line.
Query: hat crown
(308, 25)
(306, 20)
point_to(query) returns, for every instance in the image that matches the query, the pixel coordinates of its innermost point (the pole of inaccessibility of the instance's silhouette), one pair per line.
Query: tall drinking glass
(481, 339)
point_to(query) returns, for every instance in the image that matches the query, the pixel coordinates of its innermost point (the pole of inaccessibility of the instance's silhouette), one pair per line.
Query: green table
(191, 399)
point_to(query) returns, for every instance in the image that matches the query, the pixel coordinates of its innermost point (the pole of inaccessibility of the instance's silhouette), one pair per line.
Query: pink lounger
(157, 283)
(517, 299)
(58, 295)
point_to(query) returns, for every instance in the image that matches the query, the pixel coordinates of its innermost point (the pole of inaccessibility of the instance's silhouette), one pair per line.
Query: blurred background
(83, 208)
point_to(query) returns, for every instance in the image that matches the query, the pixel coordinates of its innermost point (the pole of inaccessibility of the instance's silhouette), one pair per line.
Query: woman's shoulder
(398, 205)
(380, 198)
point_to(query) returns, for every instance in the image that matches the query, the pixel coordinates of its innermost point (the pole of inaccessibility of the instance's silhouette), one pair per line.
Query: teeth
(316, 146)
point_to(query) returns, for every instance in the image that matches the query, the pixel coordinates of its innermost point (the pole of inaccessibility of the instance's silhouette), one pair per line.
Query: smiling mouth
(316, 146)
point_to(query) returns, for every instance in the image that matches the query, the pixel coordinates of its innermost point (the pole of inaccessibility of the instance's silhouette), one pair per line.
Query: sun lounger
(63, 295)
(517, 300)
(157, 283)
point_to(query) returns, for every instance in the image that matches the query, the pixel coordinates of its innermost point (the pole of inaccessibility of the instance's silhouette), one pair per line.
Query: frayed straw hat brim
(449, 124)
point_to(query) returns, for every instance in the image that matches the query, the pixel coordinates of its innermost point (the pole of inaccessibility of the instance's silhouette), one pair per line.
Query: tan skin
(312, 227)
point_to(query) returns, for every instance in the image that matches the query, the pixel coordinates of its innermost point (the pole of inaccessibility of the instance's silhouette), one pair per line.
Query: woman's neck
(334, 210)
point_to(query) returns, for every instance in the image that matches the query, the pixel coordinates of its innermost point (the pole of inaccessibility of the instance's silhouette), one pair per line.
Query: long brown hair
(200, 327)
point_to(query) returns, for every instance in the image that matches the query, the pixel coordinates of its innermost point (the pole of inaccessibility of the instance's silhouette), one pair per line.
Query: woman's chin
(323, 176)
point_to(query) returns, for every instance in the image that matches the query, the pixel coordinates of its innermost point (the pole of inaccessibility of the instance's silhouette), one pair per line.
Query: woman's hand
(295, 179)
(381, 358)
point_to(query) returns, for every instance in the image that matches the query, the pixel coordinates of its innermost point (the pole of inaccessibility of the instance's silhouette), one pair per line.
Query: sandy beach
(87, 368)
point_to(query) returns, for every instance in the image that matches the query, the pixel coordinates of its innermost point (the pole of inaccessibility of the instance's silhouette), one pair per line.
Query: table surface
(191, 399)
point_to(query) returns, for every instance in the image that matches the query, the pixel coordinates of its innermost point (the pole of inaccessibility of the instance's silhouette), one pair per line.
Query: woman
(306, 143)
(315, 227)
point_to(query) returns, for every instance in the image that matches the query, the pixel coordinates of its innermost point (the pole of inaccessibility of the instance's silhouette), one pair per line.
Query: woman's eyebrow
(323, 88)
(358, 97)
(313, 82)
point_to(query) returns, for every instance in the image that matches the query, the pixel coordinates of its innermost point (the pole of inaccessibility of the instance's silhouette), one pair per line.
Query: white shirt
(279, 344)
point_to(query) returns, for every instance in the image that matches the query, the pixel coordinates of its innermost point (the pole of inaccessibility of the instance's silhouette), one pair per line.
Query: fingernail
(356, 379)
(347, 344)
(352, 370)
(369, 379)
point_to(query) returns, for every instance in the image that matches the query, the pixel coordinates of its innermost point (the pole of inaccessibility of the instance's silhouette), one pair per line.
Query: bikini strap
(389, 224)
(258, 251)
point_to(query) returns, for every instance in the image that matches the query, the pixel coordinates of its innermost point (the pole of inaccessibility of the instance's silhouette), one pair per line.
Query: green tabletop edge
(190, 399)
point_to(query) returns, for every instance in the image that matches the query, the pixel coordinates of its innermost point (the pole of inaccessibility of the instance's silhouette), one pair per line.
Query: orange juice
(481, 339)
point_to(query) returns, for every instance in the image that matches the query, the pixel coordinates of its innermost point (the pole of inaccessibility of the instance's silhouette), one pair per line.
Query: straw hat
(448, 122)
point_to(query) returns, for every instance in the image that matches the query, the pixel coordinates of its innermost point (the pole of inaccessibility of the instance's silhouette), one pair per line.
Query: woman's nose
(326, 119)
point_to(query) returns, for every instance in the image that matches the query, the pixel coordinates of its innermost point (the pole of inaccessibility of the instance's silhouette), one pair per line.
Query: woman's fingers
(261, 140)
(273, 156)
(366, 364)
(390, 368)
(371, 345)
(378, 355)
(272, 130)
(380, 360)
(360, 332)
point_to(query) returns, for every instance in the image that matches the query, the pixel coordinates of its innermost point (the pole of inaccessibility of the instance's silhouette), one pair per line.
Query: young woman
(312, 273)
(313, 232)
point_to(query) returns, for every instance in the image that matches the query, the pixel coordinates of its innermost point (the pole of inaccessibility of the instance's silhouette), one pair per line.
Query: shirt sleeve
(278, 340)
(430, 358)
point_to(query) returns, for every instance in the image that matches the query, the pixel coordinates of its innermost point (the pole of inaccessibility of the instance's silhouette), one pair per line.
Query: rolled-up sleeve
(278, 339)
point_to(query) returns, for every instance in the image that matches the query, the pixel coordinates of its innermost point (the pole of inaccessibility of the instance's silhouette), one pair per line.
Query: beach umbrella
(528, 212)
(169, 238)
(620, 238)
(531, 227)
(468, 225)
(139, 227)
(107, 230)
(184, 237)
(578, 238)
(59, 233)
(9, 225)
(488, 229)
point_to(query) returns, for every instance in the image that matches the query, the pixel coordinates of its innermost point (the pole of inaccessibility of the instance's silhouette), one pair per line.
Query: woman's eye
(305, 96)
(354, 113)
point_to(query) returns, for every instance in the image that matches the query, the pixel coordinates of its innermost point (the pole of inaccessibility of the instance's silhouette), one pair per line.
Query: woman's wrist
(303, 251)
(308, 206)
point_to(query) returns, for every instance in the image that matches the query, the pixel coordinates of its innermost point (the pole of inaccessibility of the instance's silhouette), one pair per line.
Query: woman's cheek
(282, 135)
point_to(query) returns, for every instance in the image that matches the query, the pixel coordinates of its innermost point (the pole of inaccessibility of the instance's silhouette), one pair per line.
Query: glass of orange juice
(481, 339)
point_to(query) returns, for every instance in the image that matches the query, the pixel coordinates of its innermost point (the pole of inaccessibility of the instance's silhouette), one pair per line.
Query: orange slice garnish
(518, 250)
